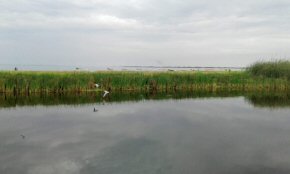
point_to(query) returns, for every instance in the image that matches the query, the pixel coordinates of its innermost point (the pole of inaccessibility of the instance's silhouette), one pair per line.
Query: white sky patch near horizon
(143, 32)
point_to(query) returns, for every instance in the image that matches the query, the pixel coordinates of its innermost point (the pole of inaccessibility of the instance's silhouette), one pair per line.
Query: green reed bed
(271, 69)
(58, 82)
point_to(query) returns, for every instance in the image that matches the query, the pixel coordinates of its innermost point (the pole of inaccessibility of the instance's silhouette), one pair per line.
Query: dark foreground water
(185, 136)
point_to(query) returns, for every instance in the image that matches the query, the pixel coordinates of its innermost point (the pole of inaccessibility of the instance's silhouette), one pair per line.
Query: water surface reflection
(270, 100)
(201, 136)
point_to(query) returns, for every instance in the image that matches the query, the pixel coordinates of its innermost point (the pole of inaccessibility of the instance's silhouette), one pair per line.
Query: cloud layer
(143, 32)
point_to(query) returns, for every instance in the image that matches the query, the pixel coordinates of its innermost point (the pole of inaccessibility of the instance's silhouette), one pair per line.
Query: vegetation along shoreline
(261, 76)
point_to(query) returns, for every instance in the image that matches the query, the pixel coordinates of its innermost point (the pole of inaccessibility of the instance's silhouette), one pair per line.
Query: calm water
(185, 136)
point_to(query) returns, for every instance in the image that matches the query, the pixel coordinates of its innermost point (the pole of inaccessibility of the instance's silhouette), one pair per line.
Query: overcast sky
(143, 32)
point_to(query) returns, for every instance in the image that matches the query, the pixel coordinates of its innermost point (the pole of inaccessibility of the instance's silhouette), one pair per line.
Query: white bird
(105, 93)
(97, 85)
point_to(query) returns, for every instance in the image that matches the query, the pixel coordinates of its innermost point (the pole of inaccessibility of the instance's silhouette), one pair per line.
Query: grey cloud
(210, 33)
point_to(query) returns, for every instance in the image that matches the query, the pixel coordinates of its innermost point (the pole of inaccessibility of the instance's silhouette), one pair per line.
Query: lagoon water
(184, 136)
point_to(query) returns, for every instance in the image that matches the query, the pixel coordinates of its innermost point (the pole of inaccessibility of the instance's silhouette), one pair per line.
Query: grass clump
(271, 69)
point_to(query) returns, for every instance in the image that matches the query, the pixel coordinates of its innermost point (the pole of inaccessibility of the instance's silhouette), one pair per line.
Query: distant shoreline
(9, 67)
(188, 67)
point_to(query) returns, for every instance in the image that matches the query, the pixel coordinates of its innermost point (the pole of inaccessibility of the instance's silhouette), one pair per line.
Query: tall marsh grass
(58, 82)
(271, 69)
